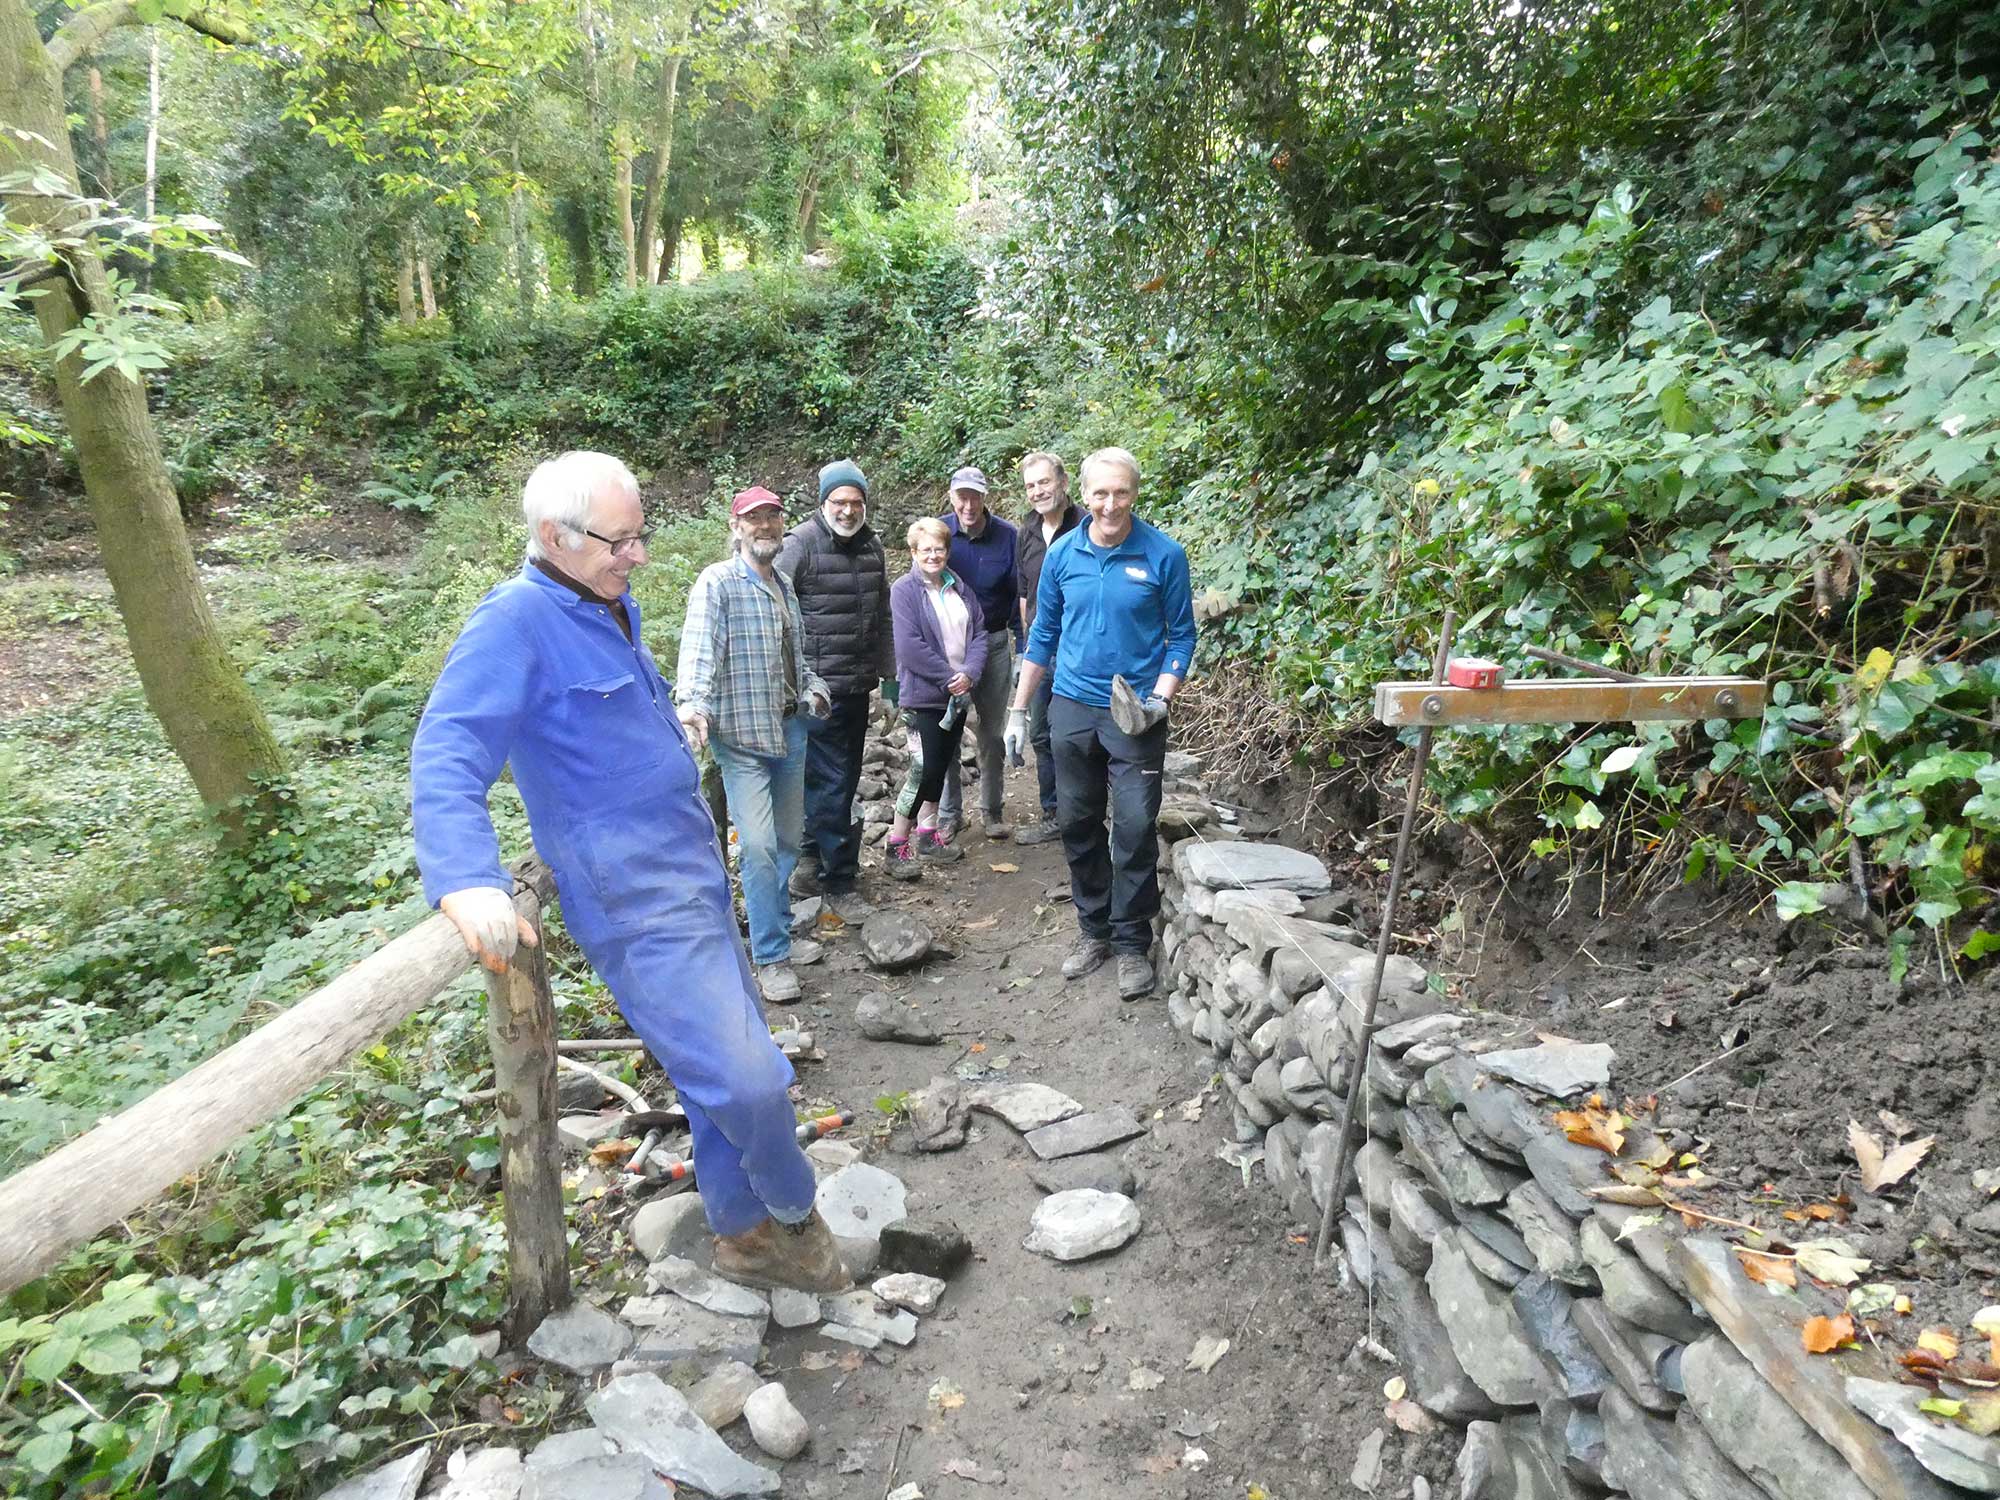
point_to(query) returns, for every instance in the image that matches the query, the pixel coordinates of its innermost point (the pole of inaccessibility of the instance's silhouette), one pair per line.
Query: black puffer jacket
(843, 589)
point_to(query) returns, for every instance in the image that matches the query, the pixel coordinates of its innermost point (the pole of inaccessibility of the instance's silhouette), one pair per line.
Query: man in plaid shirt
(744, 691)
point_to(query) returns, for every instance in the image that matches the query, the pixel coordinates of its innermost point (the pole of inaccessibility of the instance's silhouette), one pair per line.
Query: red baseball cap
(754, 498)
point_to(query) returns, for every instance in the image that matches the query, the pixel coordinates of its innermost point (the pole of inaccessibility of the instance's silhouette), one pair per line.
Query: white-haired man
(1113, 607)
(550, 677)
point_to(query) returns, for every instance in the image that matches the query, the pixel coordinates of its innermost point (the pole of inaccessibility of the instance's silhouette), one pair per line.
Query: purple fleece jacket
(921, 668)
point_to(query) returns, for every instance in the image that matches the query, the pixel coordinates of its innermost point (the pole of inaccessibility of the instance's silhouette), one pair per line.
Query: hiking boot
(802, 1256)
(1085, 957)
(930, 845)
(996, 827)
(949, 828)
(778, 984)
(900, 860)
(1038, 833)
(805, 951)
(805, 880)
(850, 906)
(1135, 976)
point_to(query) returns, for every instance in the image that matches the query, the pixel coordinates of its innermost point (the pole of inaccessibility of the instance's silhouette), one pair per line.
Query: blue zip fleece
(1126, 610)
(543, 681)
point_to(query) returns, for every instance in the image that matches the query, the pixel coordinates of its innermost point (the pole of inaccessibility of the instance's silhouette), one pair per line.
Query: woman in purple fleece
(940, 652)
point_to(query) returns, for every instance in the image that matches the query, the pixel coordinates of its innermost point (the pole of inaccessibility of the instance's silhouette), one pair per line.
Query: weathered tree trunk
(521, 1031)
(524, 249)
(573, 212)
(670, 245)
(101, 136)
(406, 284)
(425, 291)
(621, 156)
(664, 102)
(210, 718)
(711, 249)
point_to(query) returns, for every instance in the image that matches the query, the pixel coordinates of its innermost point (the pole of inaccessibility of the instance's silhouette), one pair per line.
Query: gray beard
(763, 552)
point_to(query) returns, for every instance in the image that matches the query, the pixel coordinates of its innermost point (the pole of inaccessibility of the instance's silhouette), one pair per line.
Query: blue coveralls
(543, 680)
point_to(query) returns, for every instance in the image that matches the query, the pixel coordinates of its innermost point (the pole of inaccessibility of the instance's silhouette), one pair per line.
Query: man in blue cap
(550, 678)
(841, 577)
(983, 556)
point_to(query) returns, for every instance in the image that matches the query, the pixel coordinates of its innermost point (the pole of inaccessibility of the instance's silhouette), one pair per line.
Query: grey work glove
(1131, 713)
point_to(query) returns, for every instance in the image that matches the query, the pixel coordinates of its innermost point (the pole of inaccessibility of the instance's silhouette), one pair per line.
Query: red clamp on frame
(1474, 672)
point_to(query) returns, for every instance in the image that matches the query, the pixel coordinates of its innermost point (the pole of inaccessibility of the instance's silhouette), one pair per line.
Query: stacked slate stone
(884, 760)
(1584, 1349)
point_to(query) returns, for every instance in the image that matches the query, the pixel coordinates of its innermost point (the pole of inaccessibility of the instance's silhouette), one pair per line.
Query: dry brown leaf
(1591, 1126)
(1823, 1334)
(606, 1152)
(1631, 1197)
(1981, 1416)
(1923, 1362)
(1408, 1416)
(1881, 1167)
(1940, 1341)
(1770, 1270)
(851, 1361)
(1160, 1463)
(1004, 869)
(1896, 1125)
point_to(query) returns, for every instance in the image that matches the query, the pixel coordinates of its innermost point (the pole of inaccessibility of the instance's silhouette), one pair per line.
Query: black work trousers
(1114, 878)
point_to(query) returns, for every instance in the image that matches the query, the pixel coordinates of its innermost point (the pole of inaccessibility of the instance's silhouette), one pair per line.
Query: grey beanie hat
(842, 471)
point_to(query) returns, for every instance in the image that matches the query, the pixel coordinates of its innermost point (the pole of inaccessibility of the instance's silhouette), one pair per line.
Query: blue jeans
(833, 767)
(767, 804)
(1038, 736)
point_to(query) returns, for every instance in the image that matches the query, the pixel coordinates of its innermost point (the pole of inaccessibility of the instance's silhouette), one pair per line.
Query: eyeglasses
(620, 544)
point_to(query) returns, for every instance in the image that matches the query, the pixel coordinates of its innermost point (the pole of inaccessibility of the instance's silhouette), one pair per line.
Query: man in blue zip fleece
(1114, 607)
(550, 678)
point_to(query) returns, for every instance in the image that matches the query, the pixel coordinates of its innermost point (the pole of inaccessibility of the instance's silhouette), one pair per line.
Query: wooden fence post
(521, 1029)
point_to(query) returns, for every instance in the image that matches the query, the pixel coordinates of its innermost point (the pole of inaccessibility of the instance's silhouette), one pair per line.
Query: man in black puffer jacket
(838, 571)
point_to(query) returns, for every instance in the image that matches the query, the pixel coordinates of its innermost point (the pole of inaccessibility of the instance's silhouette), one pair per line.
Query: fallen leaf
(1880, 1167)
(1903, 1305)
(977, 1047)
(1190, 1426)
(1207, 1351)
(1191, 1109)
(1160, 1463)
(1923, 1362)
(1194, 1458)
(1940, 1341)
(1630, 1197)
(944, 1395)
(1637, 1224)
(606, 1152)
(965, 1468)
(1395, 1388)
(1896, 1125)
(851, 1361)
(1832, 1261)
(1941, 1406)
(1822, 1334)
(1987, 1321)
(1874, 1299)
(1769, 1270)
(1833, 1211)
(1004, 869)
(1982, 1414)
(816, 1359)
(1591, 1126)
(1143, 1379)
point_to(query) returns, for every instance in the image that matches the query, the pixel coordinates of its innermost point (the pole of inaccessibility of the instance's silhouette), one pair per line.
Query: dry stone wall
(1582, 1347)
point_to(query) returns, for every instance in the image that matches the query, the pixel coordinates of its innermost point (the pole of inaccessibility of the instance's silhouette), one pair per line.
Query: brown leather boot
(802, 1256)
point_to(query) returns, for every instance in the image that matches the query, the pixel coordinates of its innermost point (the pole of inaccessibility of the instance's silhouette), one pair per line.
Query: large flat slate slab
(1025, 1106)
(1244, 865)
(643, 1414)
(1080, 1133)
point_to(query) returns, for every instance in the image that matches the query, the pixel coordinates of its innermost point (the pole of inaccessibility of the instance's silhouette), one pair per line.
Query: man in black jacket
(1045, 481)
(839, 573)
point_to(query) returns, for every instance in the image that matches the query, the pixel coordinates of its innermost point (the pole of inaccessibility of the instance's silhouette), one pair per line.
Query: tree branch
(82, 32)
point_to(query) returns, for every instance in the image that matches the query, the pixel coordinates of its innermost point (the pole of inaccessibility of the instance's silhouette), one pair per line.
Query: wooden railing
(82, 1188)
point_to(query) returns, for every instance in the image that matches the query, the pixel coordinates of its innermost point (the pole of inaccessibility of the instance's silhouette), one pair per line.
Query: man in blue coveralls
(1113, 607)
(550, 677)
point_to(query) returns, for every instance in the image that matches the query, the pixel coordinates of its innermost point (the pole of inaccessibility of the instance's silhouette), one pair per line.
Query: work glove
(892, 692)
(486, 919)
(696, 724)
(1131, 713)
(1016, 737)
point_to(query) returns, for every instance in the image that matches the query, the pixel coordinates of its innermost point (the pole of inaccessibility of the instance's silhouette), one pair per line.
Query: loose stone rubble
(1581, 1346)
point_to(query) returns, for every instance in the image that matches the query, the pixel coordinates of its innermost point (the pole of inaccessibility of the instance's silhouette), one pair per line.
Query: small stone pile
(1576, 1342)
(690, 1320)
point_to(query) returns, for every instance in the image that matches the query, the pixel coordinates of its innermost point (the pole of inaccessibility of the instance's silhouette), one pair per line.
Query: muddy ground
(1045, 1353)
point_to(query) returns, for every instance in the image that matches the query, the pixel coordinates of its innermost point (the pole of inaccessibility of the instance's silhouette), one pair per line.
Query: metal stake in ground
(1334, 1182)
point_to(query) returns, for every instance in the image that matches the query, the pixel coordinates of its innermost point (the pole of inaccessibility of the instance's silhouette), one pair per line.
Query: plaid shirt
(732, 668)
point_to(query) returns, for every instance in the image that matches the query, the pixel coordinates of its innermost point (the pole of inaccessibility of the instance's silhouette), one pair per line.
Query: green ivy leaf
(112, 1354)
(1980, 944)
(1800, 898)
(193, 1449)
(43, 1453)
(48, 1360)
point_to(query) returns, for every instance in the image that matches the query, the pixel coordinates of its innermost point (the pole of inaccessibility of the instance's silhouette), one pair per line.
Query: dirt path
(1049, 1395)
